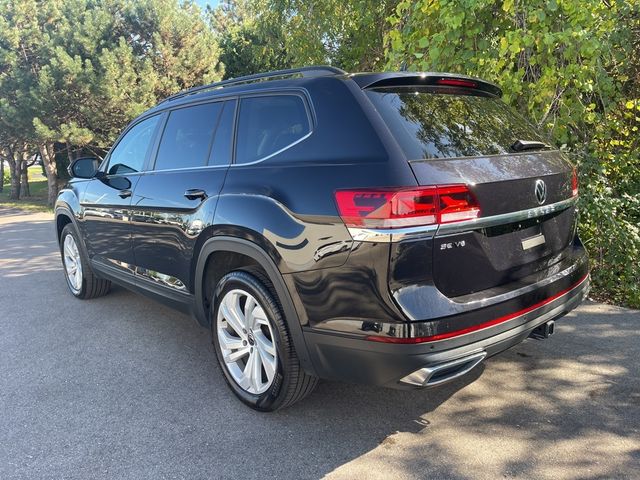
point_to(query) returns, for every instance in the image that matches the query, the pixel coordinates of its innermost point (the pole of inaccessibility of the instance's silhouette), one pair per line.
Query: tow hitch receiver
(543, 331)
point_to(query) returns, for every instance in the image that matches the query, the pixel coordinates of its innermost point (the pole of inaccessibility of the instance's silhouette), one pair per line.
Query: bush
(610, 204)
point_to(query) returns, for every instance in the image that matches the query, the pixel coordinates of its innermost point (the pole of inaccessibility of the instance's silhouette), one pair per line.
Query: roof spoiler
(404, 79)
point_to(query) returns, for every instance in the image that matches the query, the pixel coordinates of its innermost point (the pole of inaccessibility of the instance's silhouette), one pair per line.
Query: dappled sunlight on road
(124, 385)
(567, 407)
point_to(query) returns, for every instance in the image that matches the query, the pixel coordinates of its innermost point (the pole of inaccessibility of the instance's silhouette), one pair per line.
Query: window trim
(104, 167)
(236, 103)
(308, 107)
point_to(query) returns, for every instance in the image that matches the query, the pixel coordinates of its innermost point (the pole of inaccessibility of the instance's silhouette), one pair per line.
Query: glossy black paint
(281, 213)
(105, 219)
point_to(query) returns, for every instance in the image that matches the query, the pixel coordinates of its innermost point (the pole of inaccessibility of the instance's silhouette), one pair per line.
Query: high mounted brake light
(456, 82)
(406, 207)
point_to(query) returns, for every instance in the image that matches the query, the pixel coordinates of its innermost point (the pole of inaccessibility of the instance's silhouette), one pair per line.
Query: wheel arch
(63, 216)
(234, 245)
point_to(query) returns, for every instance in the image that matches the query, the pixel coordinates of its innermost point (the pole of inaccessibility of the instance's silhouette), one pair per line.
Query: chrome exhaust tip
(443, 372)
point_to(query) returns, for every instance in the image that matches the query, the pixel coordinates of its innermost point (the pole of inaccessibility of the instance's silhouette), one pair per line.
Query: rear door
(176, 199)
(106, 200)
(462, 136)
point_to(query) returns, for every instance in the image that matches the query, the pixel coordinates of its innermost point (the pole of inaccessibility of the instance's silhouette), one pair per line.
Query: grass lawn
(37, 202)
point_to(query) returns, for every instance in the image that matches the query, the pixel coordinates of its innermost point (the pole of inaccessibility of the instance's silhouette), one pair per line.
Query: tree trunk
(49, 161)
(24, 181)
(14, 158)
(1, 173)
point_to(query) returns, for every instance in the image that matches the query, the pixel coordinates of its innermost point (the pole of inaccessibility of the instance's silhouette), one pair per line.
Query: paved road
(122, 387)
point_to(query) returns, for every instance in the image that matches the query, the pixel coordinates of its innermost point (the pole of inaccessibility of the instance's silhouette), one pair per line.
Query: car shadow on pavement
(123, 387)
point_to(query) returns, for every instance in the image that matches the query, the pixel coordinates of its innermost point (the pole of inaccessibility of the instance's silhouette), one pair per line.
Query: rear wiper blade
(522, 145)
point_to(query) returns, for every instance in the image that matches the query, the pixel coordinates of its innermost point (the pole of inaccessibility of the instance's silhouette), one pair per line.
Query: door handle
(124, 193)
(195, 193)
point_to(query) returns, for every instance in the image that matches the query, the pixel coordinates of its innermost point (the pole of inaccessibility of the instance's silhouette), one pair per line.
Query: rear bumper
(345, 358)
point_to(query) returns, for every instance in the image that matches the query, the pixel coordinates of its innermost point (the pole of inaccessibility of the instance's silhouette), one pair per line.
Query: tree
(272, 34)
(248, 44)
(345, 34)
(75, 72)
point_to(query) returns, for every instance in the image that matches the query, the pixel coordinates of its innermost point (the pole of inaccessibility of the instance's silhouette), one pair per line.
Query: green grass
(37, 202)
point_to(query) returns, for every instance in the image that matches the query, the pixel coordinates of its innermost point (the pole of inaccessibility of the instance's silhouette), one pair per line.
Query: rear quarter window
(268, 124)
(431, 125)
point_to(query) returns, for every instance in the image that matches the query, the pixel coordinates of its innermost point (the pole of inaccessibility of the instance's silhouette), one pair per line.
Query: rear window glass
(268, 124)
(433, 125)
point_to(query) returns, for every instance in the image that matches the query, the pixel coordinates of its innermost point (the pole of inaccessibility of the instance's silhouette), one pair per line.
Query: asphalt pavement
(124, 387)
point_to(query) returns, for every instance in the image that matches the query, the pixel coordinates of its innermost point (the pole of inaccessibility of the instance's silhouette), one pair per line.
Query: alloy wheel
(246, 341)
(72, 263)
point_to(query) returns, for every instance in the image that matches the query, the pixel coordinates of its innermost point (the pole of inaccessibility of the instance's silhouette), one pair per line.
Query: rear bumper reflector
(479, 326)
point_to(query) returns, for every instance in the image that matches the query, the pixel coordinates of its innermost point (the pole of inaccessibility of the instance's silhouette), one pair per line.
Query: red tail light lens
(456, 82)
(574, 183)
(406, 207)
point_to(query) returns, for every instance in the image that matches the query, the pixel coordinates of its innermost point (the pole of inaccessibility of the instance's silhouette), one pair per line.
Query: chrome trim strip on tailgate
(430, 231)
(505, 218)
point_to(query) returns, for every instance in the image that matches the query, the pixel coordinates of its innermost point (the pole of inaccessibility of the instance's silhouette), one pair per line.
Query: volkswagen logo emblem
(540, 191)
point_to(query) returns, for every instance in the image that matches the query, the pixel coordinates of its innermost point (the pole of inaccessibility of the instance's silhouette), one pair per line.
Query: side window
(187, 136)
(268, 124)
(129, 154)
(221, 149)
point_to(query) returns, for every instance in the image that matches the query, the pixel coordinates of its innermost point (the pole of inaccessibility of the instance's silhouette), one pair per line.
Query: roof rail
(313, 71)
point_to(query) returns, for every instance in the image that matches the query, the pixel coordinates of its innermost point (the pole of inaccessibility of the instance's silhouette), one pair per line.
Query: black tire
(92, 286)
(291, 383)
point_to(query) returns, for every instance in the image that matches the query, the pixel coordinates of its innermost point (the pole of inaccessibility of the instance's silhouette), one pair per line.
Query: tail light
(574, 183)
(397, 208)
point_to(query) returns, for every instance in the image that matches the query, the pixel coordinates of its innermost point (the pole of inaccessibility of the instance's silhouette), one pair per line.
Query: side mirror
(86, 167)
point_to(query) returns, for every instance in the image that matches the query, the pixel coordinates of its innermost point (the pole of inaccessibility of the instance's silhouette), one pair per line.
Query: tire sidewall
(273, 397)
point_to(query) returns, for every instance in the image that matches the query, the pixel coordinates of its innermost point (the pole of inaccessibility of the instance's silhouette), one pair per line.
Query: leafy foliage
(248, 43)
(261, 35)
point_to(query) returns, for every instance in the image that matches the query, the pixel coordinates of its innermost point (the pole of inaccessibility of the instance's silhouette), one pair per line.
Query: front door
(105, 202)
(174, 202)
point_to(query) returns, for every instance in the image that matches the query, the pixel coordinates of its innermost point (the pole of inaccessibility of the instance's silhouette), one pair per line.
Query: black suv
(388, 228)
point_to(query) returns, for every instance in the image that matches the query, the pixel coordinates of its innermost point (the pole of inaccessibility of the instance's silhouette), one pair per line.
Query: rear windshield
(430, 125)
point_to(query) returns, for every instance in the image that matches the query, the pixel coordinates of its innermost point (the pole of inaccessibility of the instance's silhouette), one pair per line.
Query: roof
(291, 77)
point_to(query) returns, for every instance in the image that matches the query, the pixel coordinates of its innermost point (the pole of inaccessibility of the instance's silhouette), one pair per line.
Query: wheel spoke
(249, 371)
(237, 355)
(249, 307)
(256, 371)
(260, 318)
(269, 365)
(228, 341)
(264, 344)
(232, 314)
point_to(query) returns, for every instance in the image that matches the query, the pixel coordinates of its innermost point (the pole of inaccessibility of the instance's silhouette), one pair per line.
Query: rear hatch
(459, 134)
